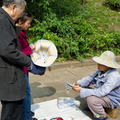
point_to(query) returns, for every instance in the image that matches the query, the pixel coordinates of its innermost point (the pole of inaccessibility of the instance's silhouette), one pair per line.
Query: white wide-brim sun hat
(107, 58)
(44, 54)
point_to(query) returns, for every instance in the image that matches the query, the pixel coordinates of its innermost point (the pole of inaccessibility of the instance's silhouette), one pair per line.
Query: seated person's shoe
(86, 109)
(112, 112)
(104, 118)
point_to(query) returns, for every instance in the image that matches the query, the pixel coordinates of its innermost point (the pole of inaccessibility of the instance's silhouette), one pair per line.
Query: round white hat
(44, 54)
(107, 58)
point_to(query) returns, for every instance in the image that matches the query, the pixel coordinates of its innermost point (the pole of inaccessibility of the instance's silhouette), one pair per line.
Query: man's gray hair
(19, 3)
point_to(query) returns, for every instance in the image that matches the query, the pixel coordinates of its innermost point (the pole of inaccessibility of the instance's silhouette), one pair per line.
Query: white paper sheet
(49, 109)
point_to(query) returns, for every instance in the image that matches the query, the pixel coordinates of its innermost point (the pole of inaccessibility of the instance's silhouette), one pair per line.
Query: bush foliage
(114, 3)
(69, 26)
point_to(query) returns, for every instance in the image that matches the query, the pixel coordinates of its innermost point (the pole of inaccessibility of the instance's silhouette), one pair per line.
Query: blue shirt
(105, 83)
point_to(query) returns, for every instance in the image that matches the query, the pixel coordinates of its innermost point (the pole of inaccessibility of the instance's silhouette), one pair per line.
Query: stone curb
(86, 62)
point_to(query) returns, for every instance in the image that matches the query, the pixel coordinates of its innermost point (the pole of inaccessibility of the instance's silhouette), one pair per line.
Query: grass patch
(103, 16)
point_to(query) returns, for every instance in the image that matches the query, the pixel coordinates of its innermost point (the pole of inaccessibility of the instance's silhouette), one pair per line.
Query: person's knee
(91, 100)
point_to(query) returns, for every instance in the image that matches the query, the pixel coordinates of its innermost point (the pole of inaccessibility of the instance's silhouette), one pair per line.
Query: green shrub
(69, 35)
(114, 3)
(76, 35)
(65, 7)
(41, 8)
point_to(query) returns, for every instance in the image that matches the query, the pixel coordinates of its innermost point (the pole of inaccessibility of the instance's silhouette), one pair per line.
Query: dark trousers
(11, 110)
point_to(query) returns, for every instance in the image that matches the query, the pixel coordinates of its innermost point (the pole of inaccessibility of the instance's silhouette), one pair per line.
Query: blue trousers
(27, 101)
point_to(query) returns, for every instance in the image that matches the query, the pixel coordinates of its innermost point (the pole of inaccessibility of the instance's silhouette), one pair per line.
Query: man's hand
(77, 87)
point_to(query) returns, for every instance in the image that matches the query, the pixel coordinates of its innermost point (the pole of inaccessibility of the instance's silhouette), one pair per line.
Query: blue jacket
(105, 84)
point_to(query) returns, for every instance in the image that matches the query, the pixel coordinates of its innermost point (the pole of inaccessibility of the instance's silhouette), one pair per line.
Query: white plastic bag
(64, 102)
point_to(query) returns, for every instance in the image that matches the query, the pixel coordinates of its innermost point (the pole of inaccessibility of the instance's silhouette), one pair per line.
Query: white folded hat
(44, 54)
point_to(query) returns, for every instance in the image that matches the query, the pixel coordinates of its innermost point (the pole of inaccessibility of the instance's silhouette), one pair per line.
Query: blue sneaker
(105, 118)
(86, 109)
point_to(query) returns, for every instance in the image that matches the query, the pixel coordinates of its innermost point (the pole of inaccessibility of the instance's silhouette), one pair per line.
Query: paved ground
(52, 84)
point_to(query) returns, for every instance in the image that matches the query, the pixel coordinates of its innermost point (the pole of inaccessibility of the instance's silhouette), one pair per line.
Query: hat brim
(100, 61)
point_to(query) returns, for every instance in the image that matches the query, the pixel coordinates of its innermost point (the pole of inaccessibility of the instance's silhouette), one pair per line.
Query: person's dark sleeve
(8, 49)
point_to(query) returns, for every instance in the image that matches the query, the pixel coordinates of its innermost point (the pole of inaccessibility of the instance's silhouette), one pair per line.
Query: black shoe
(86, 109)
(34, 119)
(32, 113)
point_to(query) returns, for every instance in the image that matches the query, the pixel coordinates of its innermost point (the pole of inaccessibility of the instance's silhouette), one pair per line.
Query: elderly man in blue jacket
(104, 84)
(12, 81)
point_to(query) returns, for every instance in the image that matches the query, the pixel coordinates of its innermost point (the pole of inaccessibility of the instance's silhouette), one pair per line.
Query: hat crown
(107, 58)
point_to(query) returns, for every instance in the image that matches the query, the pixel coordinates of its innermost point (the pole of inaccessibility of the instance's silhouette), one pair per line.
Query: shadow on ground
(38, 91)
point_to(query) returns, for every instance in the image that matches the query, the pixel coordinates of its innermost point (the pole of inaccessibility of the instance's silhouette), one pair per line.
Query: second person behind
(24, 22)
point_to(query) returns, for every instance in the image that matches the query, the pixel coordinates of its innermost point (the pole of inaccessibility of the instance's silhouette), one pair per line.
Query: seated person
(103, 91)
